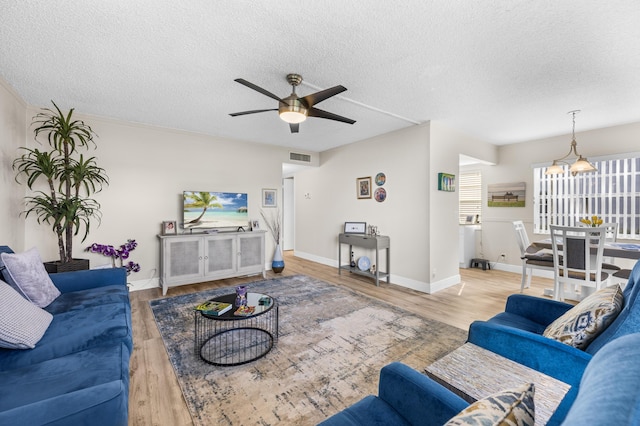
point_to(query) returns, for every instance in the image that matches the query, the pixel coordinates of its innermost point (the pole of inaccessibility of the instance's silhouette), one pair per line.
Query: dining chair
(577, 255)
(611, 236)
(532, 257)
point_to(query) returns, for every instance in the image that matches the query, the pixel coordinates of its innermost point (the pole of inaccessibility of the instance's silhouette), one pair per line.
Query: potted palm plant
(70, 178)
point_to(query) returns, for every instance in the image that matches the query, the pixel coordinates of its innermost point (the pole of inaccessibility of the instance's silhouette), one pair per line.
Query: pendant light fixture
(581, 165)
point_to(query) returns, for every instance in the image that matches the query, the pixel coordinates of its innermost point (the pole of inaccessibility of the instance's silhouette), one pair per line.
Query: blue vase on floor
(277, 265)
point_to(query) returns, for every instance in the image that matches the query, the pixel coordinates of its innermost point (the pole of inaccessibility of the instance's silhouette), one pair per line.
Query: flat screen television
(212, 210)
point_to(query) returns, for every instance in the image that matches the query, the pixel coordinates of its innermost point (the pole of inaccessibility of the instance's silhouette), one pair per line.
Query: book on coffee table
(212, 307)
(245, 311)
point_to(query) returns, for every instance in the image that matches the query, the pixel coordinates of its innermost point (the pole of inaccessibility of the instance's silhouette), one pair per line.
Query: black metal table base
(235, 341)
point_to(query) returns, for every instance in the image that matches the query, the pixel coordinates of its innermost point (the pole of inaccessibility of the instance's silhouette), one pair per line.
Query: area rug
(331, 346)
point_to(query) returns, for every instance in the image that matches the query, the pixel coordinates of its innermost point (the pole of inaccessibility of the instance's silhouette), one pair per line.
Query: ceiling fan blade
(235, 114)
(315, 112)
(258, 89)
(295, 127)
(316, 98)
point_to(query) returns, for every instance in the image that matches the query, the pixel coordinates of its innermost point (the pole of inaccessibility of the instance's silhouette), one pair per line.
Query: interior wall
(148, 169)
(288, 214)
(326, 198)
(420, 220)
(515, 165)
(13, 129)
(446, 146)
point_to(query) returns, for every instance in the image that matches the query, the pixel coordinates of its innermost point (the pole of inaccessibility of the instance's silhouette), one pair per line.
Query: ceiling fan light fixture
(292, 110)
(292, 117)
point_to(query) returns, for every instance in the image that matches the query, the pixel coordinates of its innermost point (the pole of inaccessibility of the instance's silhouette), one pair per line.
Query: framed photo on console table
(355, 227)
(169, 227)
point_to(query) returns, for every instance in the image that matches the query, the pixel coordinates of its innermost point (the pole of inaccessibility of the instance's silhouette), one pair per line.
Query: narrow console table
(376, 243)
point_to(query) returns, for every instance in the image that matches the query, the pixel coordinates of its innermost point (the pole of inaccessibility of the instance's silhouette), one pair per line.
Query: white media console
(194, 258)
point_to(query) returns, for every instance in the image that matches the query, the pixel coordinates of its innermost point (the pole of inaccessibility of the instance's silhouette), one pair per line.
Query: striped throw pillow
(22, 324)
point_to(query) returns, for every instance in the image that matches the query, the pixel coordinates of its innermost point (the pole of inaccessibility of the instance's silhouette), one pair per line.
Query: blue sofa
(516, 334)
(78, 373)
(608, 394)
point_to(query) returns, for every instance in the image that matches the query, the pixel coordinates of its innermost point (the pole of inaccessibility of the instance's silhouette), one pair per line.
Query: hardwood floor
(155, 397)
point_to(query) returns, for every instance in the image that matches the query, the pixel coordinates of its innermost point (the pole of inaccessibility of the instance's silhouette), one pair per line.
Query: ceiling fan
(295, 110)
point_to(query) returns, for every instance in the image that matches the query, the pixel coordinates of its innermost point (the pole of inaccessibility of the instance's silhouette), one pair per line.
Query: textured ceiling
(503, 71)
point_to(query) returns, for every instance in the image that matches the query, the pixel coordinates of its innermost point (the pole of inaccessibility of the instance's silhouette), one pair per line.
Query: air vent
(300, 157)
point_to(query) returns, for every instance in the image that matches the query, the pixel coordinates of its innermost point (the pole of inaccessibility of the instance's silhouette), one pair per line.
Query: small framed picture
(169, 227)
(255, 224)
(363, 186)
(446, 182)
(355, 227)
(269, 198)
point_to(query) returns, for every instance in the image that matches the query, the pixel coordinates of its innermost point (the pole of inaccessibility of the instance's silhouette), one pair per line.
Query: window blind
(612, 193)
(470, 195)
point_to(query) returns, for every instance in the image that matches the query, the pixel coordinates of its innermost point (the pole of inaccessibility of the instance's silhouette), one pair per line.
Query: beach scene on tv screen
(209, 210)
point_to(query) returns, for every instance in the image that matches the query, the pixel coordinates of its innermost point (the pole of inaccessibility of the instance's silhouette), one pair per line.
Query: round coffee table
(229, 339)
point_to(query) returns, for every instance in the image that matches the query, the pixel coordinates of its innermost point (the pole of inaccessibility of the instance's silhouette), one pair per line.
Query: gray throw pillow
(22, 324)
(27, 275)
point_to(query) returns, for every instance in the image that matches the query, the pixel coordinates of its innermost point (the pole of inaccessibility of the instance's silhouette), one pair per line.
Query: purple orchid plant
(121, 253)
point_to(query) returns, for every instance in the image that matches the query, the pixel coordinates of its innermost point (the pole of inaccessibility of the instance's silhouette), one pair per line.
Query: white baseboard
(517, 269)
(395, 279)
(143, 284)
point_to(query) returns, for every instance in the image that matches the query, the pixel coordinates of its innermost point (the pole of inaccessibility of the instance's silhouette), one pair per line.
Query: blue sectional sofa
(516, 334)
(78, 373)
(608, 395)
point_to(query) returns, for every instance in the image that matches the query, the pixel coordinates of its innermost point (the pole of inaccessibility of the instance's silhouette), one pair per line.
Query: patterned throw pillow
(507, 408)
(585, 321)
(22, 324)
(27, 275)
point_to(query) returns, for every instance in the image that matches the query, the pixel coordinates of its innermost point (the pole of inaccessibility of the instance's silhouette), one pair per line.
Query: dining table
(611, 249)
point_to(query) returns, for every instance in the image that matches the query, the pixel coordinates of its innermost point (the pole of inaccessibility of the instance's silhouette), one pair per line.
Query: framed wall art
(380, 194)
(506, 194)
(446, 182)
(269, 198)
(363, 186)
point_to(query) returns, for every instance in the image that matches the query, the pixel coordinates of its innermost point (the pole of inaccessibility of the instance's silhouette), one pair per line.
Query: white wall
(421, 221)
(13, 128)
(332, 200)
(148, 168)
(288, 213)
(515, 165)
(446, 147)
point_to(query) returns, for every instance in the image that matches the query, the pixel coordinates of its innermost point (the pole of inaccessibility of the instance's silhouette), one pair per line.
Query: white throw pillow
(22, 324)
(28, 276)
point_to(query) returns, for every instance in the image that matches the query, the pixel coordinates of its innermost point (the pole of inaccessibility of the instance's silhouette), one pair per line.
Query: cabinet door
(220, 256)
(251, 253)
(182, 259)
